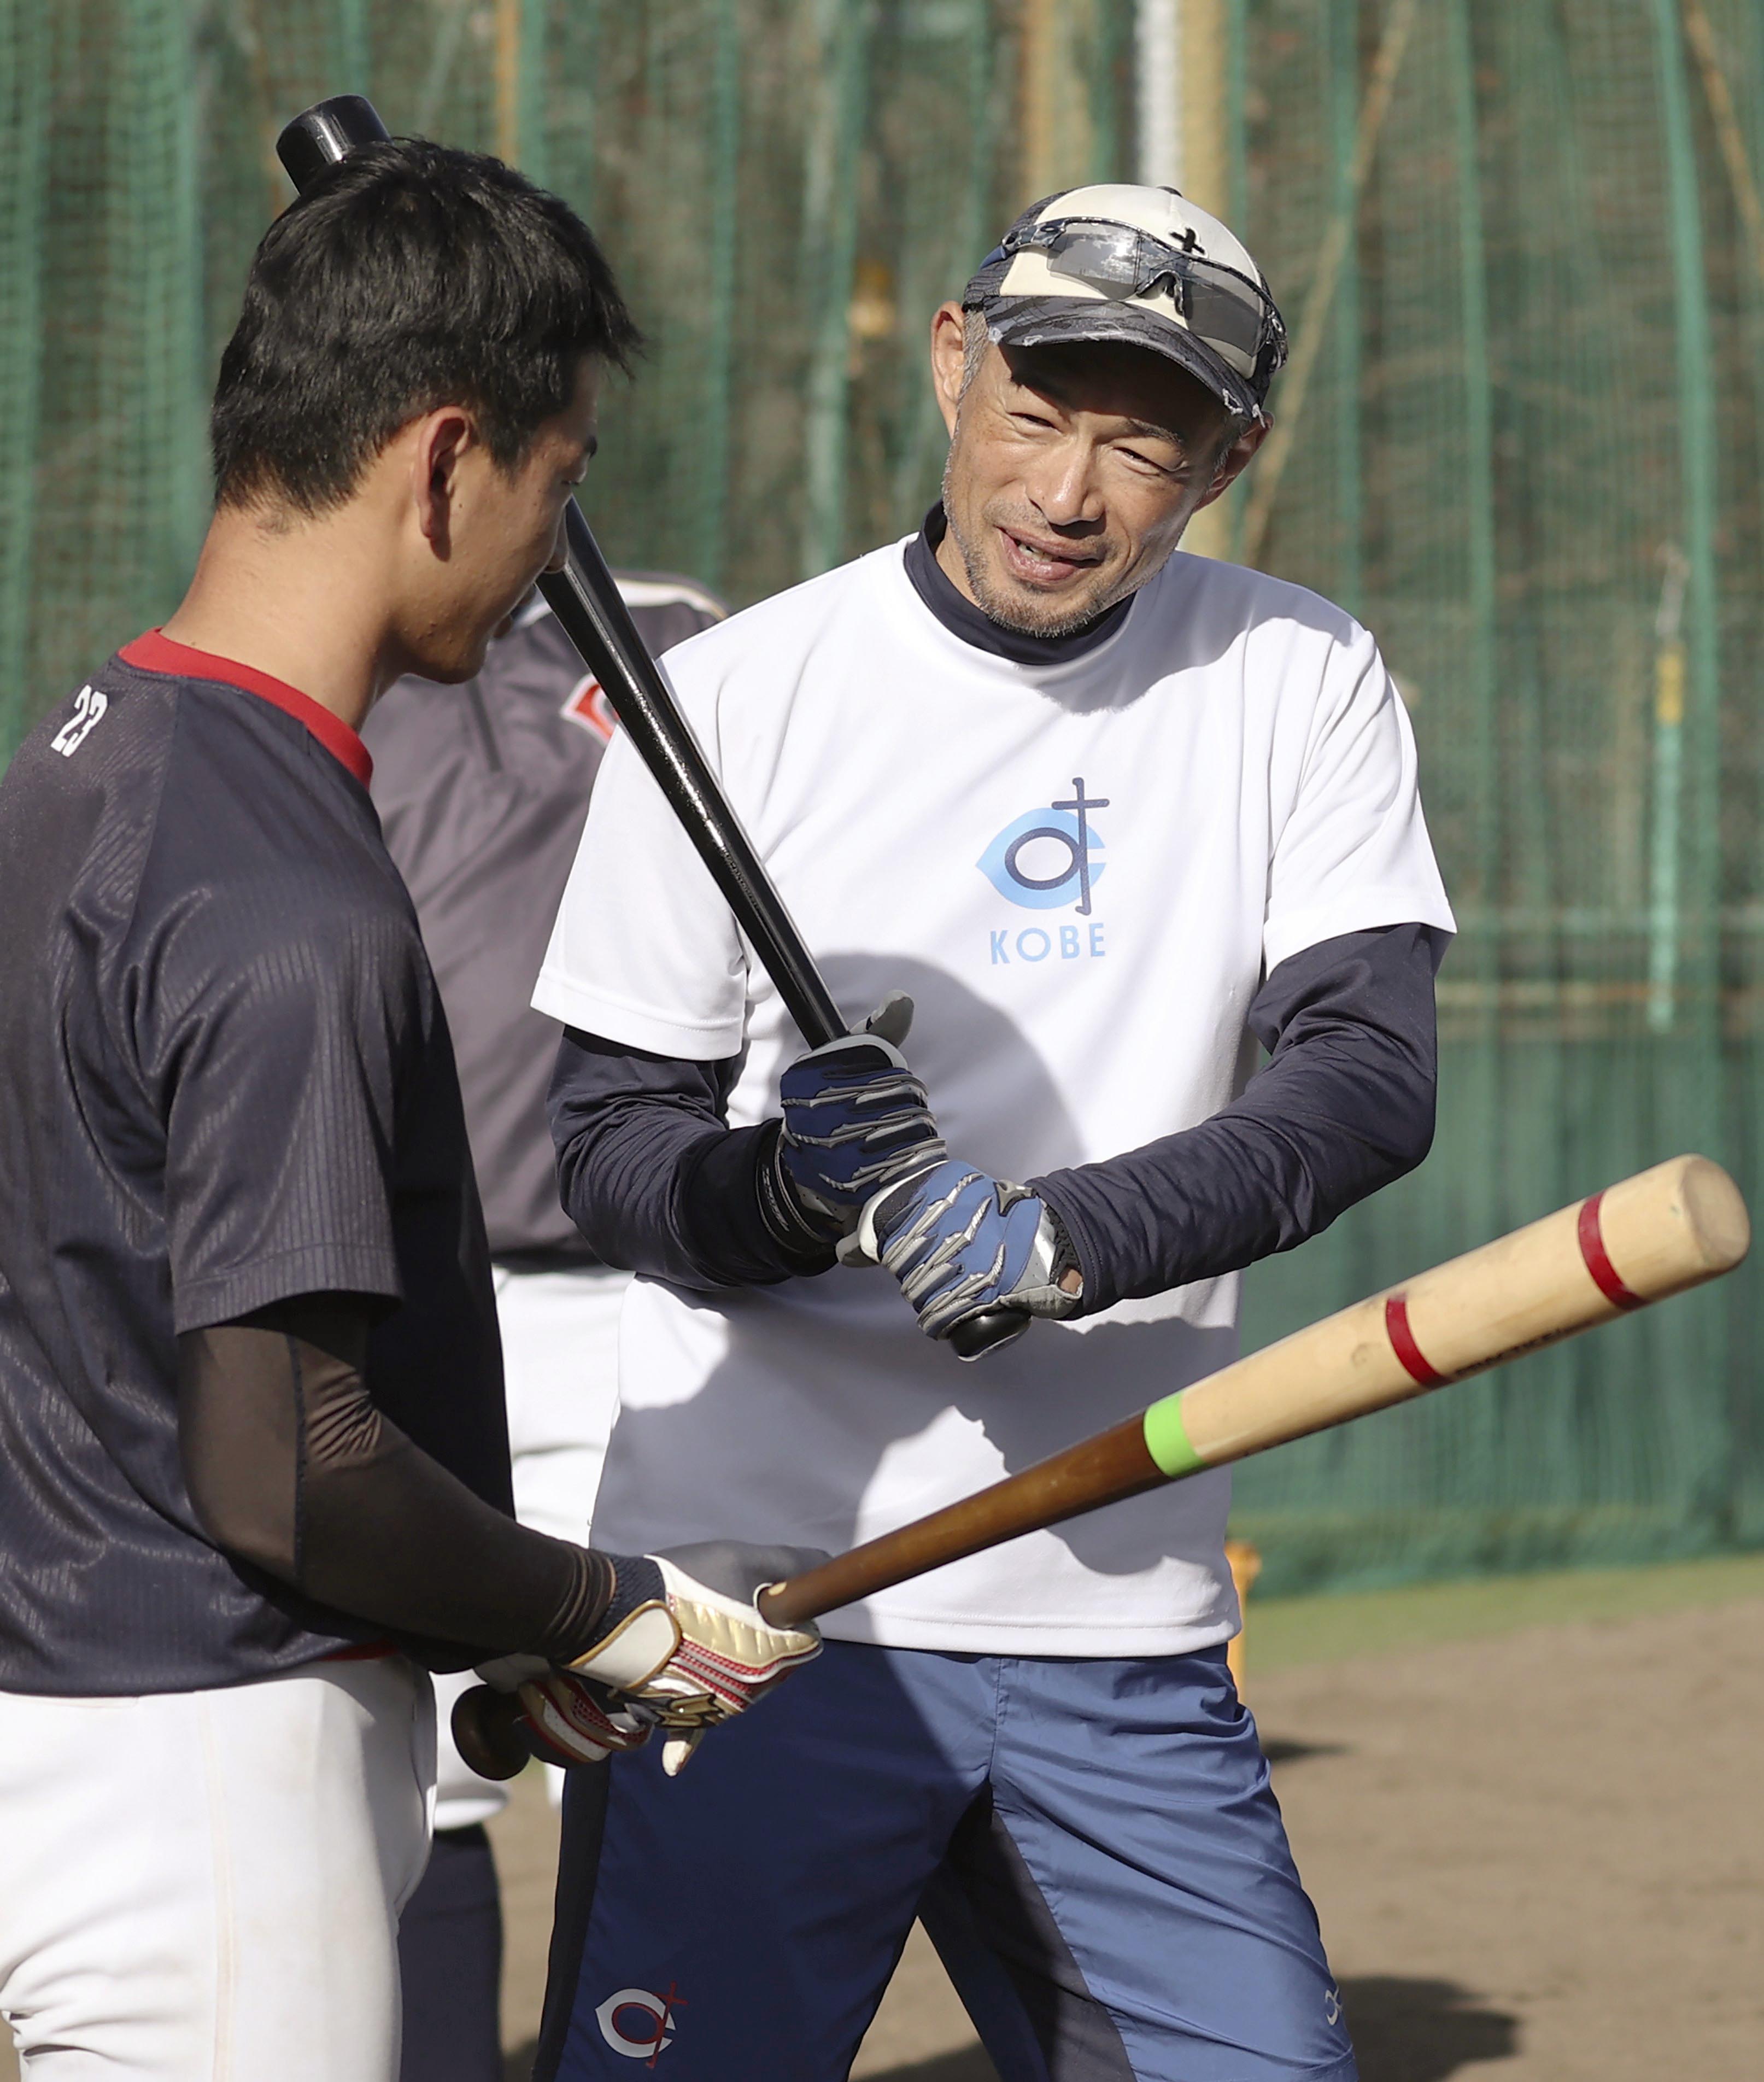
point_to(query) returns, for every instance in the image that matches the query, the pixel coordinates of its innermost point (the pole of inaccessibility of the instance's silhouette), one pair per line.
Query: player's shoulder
(671, 596)
(96, 763)
(1256, 605)
(779, 632)
(264, 833)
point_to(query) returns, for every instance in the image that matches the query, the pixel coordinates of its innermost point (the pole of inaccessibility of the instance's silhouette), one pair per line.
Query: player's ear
(1234, 458)
(948, 351)
(438, 441)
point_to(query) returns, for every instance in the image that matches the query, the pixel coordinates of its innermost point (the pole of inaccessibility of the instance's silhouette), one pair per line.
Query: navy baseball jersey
(228, 1081)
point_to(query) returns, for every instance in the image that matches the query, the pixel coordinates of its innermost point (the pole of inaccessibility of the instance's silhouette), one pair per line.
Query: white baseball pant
(205, 1887)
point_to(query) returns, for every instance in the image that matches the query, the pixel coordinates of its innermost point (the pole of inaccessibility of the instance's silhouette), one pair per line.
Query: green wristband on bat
(1167, 1439)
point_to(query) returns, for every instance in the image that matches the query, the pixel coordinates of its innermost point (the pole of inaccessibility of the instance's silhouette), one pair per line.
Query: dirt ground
(1539, 1856)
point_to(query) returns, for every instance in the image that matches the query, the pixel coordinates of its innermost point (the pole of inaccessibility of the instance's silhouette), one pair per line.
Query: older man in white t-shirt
(1109, 814)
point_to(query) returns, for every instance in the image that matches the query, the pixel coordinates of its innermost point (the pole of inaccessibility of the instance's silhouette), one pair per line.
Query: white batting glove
(568, 1720)
(685, 1647)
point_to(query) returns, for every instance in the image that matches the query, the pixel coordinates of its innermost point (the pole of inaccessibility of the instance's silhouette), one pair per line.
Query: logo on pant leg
(637, 2024)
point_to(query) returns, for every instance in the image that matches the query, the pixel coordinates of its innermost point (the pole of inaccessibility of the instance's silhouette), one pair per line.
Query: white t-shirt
(1082, 978)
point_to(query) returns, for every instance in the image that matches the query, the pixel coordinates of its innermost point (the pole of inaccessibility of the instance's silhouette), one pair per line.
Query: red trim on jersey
(155, 652)
(1416, 1363)
(1606, 1277)
(362, 1651)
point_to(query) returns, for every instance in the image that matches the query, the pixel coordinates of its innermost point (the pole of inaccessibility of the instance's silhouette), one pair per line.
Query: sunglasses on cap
(1120, 262)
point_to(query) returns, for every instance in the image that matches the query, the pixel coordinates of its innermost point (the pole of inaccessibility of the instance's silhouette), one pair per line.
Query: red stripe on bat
(1403, 1343)
(1606, 1276)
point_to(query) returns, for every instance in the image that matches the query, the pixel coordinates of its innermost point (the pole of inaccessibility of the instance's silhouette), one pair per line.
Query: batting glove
(685, 1644)
(567, 1719)
(855, 1120)
(961, 1243)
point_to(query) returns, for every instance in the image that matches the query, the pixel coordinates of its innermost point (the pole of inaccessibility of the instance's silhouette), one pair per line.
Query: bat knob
(990, 1331)
(487, 1733)
(327, 131)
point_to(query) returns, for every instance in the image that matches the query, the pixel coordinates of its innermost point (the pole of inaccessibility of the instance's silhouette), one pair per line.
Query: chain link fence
(1521, 251)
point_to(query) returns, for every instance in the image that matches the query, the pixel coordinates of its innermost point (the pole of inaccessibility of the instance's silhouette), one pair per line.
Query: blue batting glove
(961, 1243)
(855, 1120)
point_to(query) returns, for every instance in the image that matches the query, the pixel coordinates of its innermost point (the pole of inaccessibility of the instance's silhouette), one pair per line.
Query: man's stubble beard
(1013, 613)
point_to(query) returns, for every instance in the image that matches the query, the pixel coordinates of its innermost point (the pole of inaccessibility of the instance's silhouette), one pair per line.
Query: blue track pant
(1093, 1846)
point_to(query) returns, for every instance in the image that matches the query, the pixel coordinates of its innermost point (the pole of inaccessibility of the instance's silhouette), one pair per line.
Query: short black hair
(406, 276)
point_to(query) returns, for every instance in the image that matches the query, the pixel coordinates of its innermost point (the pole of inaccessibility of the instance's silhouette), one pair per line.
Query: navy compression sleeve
(652, 1174)
(1345, 1106)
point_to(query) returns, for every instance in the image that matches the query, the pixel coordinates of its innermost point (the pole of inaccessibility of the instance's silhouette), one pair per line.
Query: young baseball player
(1111, 815)
(254, 1473)
(480, 798)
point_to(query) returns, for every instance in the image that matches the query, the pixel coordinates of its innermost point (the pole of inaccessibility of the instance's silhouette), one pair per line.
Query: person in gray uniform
(481, 799)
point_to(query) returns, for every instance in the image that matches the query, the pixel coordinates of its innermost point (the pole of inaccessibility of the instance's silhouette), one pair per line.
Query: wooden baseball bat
(1651, 1236)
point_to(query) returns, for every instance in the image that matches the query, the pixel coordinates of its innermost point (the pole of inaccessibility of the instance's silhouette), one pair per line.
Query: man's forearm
(291, 1468)
(1345, 1106)
(651, 1172)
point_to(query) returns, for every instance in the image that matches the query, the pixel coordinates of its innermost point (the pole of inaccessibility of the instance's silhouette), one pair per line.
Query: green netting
(1554, 291)
(1527, 452)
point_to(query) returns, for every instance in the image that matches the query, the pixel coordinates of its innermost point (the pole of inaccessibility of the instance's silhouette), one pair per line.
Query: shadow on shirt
(1058, 1385)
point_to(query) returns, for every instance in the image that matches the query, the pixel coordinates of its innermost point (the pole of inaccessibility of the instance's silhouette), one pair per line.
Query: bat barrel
(1649, 1237)
(1654, 1235)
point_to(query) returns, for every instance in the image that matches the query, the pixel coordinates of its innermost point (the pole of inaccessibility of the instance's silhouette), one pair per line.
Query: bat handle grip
(988, 1332)
(487, 1732)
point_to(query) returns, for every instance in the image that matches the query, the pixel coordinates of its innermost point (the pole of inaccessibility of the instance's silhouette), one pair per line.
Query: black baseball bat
(592, 612)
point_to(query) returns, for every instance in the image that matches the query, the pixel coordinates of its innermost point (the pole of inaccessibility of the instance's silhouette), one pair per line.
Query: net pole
(1157, 27)
(711, 518)
(1060, 43)
(1729, 135)
(970, 230)
(1478, 488)
(520, 56)
(1743, 149)
(1231, 508)
(1204, 119)
(1344, 66)
(841, 29)
(508, 31)
(151, 383)
(1688, 1061)
(1484, 1084)
(1289, 398)
(354, 53)
(1695, 778)
(1100, 59)
(1237, 209)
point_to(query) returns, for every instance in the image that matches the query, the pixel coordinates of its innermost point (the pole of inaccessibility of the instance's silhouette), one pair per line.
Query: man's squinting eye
(1165, 465)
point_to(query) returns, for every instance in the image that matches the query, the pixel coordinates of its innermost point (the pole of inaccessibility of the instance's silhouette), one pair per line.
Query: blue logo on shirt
(1043, 859)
